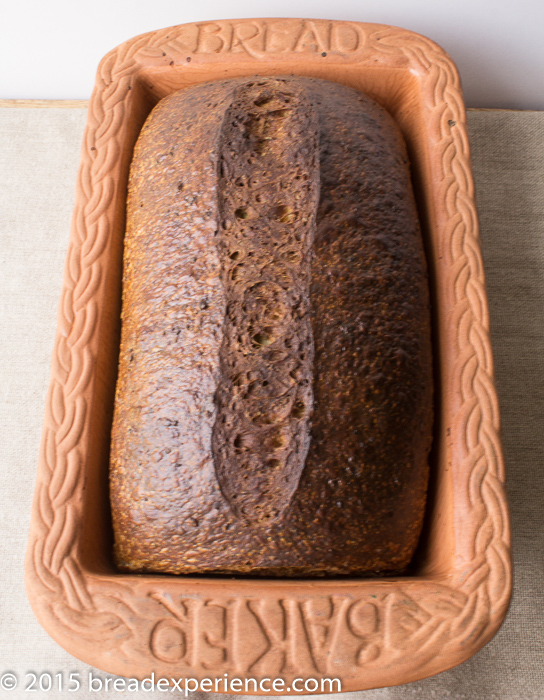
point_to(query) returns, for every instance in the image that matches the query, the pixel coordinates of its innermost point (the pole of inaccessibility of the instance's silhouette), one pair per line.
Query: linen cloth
(39, 156)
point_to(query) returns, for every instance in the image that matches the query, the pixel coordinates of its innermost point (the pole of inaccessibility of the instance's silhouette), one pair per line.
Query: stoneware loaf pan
(365, 632)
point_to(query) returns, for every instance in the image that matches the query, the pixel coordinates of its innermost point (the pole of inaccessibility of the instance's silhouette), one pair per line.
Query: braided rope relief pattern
(477, 419)
(72, 367)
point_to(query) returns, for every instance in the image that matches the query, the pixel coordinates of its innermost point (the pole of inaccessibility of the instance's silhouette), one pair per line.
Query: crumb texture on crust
(274, 403)
(268, 195)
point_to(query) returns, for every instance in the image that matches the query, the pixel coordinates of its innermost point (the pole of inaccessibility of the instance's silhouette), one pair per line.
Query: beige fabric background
(39, 154)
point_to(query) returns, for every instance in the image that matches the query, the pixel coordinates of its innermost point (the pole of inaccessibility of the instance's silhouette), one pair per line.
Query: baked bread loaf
(273, 411)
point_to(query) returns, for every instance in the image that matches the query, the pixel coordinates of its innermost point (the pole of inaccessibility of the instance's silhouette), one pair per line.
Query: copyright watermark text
(93, 682)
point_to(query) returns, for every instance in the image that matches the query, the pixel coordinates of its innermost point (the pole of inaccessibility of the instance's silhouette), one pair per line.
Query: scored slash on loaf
(273, 410)
(261, 433)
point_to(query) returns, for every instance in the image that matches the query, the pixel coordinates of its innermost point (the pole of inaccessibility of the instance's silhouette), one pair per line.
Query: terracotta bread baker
(273, 411)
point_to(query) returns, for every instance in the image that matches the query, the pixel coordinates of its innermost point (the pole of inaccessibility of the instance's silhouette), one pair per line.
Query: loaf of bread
(273, 411)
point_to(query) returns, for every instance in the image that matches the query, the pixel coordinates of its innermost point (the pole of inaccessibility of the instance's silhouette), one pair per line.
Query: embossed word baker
(332, 634)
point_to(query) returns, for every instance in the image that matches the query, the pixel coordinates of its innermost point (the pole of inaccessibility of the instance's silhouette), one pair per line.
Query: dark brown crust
(359, 503)
(264, 398)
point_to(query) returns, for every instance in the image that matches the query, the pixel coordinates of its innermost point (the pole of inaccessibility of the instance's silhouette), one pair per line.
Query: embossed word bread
(273, 411)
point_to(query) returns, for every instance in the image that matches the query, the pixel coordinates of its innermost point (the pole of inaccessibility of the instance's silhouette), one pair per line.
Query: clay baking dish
(365, 632)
